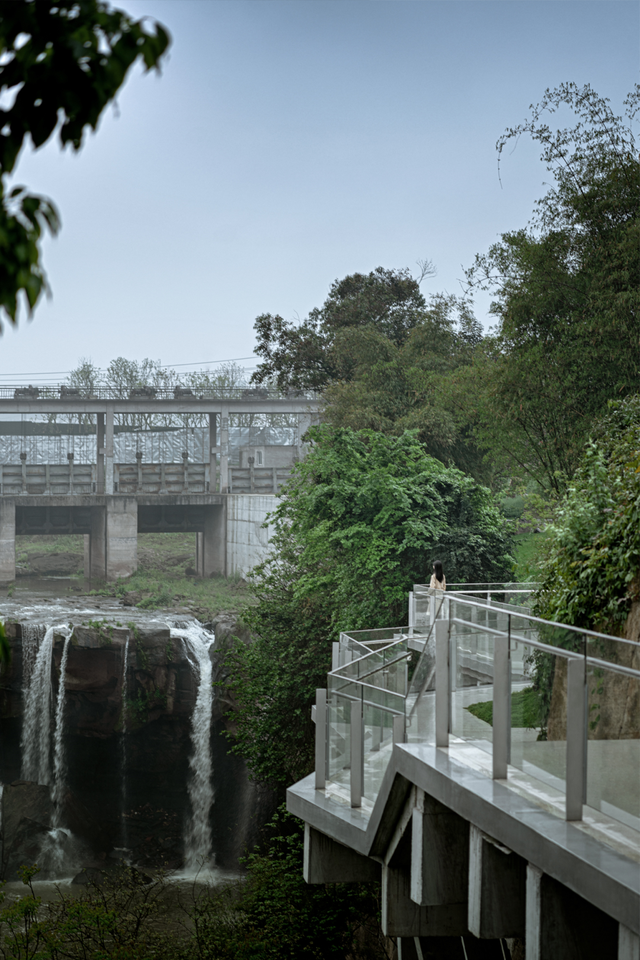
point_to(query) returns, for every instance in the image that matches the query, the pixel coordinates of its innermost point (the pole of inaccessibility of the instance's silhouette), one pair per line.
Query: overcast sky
(288, 144)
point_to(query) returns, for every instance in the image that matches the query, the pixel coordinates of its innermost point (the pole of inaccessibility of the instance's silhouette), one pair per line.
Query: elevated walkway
(482, 830)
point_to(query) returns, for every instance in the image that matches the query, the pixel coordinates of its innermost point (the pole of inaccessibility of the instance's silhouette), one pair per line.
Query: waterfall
(32, 634)
(36, 726)
(197, 641)
(59, 764)
(123, 755)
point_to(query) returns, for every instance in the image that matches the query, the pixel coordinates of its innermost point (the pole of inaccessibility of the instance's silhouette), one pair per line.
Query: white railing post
(443, 691)
(576, 741)
(356, 751)
(335, 655)
(321, 739)
(412, 612)
(501, 707)
(399, 730)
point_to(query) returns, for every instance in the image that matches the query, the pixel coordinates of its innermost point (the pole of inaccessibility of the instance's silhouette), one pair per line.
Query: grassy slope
(525, 709)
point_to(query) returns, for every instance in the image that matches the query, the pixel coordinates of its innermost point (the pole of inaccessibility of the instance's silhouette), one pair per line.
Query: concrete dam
(65, 468)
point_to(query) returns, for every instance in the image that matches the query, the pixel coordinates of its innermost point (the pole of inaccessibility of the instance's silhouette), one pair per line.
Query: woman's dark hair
(437, 569)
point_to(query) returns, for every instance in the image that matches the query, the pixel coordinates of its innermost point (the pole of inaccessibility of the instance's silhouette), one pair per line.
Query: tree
(590, 569)
(61, 65)
(359, 523)
(317, 352)
(567, 295)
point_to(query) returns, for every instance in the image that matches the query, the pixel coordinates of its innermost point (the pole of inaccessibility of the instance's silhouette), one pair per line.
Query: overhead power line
(54, 373)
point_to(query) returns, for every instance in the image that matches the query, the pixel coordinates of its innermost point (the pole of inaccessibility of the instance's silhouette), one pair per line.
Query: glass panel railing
(613, 721)
(339, 736)
(378, 742)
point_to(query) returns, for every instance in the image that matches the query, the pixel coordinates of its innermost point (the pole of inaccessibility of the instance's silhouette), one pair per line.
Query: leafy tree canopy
(591, 567)
(384, 302)
(567, 295)
(361, 520)
(60, 65)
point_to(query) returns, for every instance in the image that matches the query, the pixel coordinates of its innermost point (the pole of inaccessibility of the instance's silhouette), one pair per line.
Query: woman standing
(438, 579)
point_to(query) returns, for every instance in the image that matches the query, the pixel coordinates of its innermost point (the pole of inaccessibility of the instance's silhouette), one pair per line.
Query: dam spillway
(223, 496)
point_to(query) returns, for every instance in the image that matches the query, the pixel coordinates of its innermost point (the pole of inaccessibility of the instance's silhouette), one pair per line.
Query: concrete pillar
(402, 917)
(214, 547)
(497, 888)
(439, 855)
(213, 453)
(628, 944)
(87, 556)
(561, 924)
(7, 540)
(100, 453)
(121, 537)
(199, 564)
(224, 450)
(108, 451)
(327, 861)
(98, 544)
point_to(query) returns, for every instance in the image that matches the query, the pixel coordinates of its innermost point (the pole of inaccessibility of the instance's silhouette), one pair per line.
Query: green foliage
(362, 519)
(61, 65)
(274, 914)
(384, 302)
(567, 297)
(5, 649)
(526, 709)
(590, 571)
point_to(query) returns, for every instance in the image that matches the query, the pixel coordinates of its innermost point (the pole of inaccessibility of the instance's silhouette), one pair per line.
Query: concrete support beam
(7, 540)
(87, 556)
(561, 924)
(108, 451)
(439, 855)
(213, 456)
(214, 545)
(327, 861)
(402, 917)
(628, 944)
(98, 544)
(224, 450)
(121, 537)
(199, 558)
(100, 453)
(497, 888)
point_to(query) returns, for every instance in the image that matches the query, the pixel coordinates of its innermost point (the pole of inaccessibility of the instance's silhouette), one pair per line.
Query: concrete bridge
(110, 502)
(483, 836)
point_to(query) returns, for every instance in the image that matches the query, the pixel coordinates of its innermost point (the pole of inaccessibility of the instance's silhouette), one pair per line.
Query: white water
(36, 725)
(197, 641)
(59, 759)
(32, 634)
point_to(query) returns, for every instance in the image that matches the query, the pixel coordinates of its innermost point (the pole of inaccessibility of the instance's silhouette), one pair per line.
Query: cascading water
(197, 641)
(54, 852)
(36, 726)
(32, 634)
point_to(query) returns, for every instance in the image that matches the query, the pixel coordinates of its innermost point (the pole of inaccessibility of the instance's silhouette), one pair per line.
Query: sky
(286, 144)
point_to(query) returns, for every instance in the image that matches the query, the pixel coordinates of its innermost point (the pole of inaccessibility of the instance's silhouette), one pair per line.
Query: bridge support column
(7, 540)
(560, 923)
(628, 944)
(97, 545)
(439, 854)
(213, 459)
(199, 564)
(214, 541)
(108, 452)
(121, 537)
(497, 885)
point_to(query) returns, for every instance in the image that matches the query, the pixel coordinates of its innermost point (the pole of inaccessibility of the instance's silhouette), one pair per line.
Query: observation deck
(482, 822)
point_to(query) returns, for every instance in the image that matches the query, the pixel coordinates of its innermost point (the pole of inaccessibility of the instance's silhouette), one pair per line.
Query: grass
(527, 550)
(525, 709)
(161, 581)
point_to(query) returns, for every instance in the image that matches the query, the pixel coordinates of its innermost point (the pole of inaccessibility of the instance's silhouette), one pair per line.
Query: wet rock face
(132, 791)
(27, 813)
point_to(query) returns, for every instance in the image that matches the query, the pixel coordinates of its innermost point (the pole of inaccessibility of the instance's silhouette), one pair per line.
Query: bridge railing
(552, 709)
(105, 391)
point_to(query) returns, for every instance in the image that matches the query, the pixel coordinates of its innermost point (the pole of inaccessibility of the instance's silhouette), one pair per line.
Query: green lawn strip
(525, 709)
